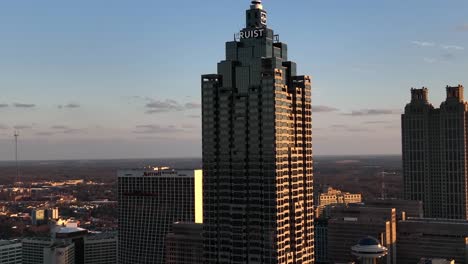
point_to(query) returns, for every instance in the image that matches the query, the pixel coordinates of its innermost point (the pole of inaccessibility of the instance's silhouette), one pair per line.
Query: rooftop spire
(257, 4)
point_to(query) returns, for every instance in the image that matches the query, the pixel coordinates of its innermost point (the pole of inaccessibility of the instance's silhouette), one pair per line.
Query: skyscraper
(435, 159)
(257, 152)
(150, 201)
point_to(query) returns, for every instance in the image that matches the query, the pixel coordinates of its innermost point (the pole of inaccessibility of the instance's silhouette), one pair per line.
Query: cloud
(69, 106)
(3, 127)
(59, 127)
(45, 133)
(429, 60)
(156, 129)
(376, 122)
(20, 127)
(452, 47)
(73, 131)
(21, 105)
(373, 112)
(463, 27)
(323, 109)
(3, 105)
(423, 43)
(169, 105)
(349, 129)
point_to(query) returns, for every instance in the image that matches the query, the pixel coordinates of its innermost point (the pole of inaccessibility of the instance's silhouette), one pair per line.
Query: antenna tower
(17, 178)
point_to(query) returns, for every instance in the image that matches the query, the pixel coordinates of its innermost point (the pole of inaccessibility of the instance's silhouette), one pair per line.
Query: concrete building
(100, 249)
(404, 208)
(150, 201)
(11, 252)
(33, 249)
(184, 245)
(432, 238)
(348, 224)
(434, 145)
(59, 253)
(257, 152)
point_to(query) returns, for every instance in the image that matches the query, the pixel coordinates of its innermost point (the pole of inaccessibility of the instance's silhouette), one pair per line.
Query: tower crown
(420, 95)
(455, 92)
(256, 5)
(256, 16)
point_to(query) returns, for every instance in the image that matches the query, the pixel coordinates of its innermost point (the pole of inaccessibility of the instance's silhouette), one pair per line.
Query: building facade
(434, 145)
(59, 253)
(432, 239)
(150, 201)
(332, 196)
(348, 224)
(257, 152)
(11, 252)
(100, 249)
(33, 249)
(184, 245)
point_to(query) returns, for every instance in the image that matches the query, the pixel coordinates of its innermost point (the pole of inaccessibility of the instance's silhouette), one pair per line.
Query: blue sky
(121, 79)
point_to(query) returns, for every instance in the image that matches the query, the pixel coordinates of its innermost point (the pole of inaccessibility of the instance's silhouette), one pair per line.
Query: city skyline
(130, 71)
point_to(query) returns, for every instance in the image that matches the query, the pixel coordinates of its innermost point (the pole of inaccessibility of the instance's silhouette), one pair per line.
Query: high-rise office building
(11, 252)
(257, 152)
(435, 144)
(184, 245)
(432, 238)
(150, 201)
(100, 249)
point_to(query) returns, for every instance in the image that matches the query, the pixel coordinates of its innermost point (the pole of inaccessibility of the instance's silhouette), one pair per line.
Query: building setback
(435, 159)
(257, 152)
(150, 201)
(184, 245)
(432, 238)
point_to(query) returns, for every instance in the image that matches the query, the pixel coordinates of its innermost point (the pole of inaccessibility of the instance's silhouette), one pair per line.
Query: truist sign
(254, 33)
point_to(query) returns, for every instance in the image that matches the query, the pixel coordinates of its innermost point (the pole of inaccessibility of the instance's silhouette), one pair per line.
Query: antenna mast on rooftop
(17, 179)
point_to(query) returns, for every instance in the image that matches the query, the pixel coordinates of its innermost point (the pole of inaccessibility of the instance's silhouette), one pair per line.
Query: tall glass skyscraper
(257, 152)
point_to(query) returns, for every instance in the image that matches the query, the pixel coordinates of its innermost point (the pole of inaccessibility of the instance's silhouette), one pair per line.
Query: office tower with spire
(435, 160)
(257, 152)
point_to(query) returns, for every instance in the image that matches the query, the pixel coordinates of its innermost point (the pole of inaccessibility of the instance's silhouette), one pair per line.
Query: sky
(121, 79)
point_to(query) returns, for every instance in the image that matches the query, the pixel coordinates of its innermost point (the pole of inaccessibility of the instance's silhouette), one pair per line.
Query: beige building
(435, 143)
(333, 197)
(349, 224)
(432, 238)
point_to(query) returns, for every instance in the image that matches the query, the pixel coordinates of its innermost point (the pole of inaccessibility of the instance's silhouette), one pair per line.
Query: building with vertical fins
(150, 201)
(257, 152)
(435, 159)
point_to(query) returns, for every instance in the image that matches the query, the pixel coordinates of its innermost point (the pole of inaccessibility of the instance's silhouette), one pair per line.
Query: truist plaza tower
(257, 152)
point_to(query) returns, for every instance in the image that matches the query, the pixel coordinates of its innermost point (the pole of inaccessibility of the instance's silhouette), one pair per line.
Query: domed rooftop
(368, 241)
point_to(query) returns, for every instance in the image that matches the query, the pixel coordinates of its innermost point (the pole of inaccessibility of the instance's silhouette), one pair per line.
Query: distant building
(87, 248)
(435, 143)
(184, 245)
(38, 217)
(436, 261)
(432, 238)
(150, 201)
(332, 196)
(349, 224)
(11, 252)
(404, 208)
(369, 250)
(59, 253)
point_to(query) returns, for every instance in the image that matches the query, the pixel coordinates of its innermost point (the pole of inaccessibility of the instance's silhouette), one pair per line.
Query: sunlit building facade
(257, 152)
(150, 201)
(435, 156)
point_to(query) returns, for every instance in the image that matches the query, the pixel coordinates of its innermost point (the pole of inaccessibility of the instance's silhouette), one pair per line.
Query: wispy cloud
(69, 106)
(429, 60)
(349, 128)
(22, 127)
(423, 43)
(169, 105)
(3, 127)
(372, 112)
(3, 105)
(323, 109)
(452, 47)
(22, 105)
(156, 129)
(45, 133)
(59, 127)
